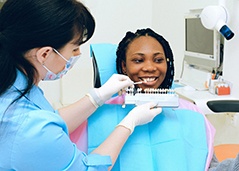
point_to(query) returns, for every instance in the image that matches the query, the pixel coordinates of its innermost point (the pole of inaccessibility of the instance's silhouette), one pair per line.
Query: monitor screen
(202, 46)
(198, 38)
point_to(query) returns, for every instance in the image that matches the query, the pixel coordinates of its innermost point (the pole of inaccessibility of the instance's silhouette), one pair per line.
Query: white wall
(115, 17)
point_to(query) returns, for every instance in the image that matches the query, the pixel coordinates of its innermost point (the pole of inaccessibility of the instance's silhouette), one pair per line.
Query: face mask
(69, 64)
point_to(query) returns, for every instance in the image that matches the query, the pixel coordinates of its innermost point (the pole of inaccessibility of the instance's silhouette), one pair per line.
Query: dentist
(39, 40)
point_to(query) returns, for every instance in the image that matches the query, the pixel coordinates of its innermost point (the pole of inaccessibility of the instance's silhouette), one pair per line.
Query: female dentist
(37, 42)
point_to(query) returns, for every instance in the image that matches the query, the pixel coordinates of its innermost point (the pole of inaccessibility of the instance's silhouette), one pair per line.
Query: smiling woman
(146, 56)
(145, 62)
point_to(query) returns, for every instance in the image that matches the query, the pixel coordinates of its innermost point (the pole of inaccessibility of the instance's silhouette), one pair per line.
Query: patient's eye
(138, 60)
(158, 60)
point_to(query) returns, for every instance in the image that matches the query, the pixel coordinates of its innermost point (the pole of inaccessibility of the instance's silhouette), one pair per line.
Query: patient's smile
(145, 80)
(148, 81)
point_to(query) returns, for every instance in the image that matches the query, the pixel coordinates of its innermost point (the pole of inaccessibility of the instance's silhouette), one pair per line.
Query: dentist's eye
(76, 51)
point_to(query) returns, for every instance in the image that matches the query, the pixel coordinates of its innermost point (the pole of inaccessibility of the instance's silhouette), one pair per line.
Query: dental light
(216, 17)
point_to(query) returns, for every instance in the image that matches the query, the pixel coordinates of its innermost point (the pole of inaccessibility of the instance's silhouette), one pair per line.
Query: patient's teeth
(148, 79)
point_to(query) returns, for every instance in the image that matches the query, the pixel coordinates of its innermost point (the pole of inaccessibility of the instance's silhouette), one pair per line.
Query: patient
(146, 56)
(172, 140)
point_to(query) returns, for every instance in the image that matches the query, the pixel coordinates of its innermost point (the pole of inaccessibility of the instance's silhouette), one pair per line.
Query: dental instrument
(140, 82)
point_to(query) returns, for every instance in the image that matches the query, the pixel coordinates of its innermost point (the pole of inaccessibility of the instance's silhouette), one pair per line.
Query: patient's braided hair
(130, 37)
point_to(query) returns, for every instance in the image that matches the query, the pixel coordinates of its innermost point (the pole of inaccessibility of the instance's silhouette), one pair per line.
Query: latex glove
(115, 83)
(140, 115)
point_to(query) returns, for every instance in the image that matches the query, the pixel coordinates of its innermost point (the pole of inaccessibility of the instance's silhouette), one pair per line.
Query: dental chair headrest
(104, 62)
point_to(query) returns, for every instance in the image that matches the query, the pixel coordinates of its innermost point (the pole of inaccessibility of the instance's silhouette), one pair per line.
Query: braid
(121, 50)
(129, 37)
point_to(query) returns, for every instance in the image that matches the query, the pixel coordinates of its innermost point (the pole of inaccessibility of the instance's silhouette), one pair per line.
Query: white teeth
(148, 79)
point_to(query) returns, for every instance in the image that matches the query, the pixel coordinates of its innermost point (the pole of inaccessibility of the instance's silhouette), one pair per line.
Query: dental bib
(174, 140)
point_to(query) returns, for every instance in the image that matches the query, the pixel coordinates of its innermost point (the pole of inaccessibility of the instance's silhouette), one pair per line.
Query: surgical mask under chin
(69, 64)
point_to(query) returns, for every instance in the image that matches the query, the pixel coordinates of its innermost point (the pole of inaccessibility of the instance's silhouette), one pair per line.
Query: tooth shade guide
(150, 91)
(163, 97)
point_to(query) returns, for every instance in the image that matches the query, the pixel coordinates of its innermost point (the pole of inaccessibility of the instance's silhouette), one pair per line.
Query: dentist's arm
(79, 111)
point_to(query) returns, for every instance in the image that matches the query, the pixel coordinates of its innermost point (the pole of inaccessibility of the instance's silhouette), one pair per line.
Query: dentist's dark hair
(29, 24)
(130, 37)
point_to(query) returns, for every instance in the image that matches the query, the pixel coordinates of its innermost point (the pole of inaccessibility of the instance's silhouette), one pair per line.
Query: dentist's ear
(43, 53)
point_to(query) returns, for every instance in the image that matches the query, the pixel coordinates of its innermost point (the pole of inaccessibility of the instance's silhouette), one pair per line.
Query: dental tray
(163, 97)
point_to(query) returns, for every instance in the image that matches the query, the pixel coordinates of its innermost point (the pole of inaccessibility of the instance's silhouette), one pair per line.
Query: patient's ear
(123, 66)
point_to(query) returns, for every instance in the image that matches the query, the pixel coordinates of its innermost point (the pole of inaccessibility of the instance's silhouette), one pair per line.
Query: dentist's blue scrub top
(33, 137)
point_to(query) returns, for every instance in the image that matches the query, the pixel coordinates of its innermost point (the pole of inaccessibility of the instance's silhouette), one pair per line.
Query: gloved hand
(115, 83)
(140, 115)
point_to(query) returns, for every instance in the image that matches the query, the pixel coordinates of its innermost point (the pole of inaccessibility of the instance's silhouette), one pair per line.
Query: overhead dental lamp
(216, 17)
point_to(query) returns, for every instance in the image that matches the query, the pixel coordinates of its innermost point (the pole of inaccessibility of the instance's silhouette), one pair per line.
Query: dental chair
(225, 150)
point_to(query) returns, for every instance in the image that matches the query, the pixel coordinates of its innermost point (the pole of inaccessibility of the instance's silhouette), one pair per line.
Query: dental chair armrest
(223, 105)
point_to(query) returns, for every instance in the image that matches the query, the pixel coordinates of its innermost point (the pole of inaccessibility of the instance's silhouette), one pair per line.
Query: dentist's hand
(115, 83)
(140, 115)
